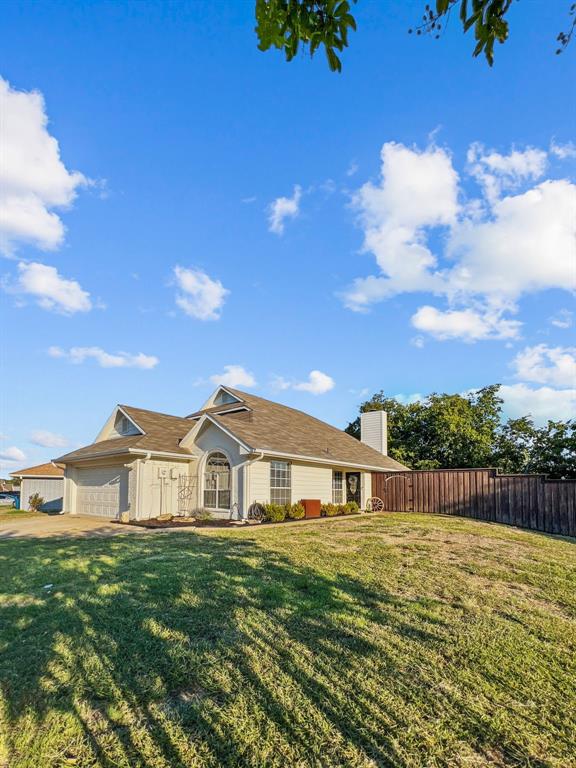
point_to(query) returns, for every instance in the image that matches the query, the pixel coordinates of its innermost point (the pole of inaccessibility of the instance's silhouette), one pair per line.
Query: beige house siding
(259, 481)
(366, 486)
(309, 481)
(210, 439)
(157, 482)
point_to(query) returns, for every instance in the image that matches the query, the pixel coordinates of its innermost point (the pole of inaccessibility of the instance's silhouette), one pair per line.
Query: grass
(393, 640)
(8, 511)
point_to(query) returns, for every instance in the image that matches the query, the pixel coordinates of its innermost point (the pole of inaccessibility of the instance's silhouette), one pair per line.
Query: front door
(353, 487)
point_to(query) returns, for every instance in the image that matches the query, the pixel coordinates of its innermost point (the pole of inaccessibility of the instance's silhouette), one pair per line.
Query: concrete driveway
(62, 526)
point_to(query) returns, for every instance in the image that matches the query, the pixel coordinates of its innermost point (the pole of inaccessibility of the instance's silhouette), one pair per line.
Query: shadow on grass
(207, 650)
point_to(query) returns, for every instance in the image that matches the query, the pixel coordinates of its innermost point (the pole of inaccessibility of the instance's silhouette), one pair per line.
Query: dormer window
(123, 427)
(225, 398)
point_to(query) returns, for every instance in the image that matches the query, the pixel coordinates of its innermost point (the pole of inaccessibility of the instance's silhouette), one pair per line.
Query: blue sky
(423, 238)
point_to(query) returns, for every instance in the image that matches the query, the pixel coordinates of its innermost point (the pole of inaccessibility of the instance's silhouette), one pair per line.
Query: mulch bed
(190, 522)
(183, 523)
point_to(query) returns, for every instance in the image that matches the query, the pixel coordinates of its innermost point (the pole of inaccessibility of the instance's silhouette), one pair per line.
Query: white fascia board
(106, 429)
(192, 432)
(95, 456)
(164, 454)
(327, 461)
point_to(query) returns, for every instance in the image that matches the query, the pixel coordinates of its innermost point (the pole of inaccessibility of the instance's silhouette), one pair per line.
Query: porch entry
(353, 487)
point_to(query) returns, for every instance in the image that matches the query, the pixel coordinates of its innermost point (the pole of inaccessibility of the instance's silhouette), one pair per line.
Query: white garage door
(102, 491)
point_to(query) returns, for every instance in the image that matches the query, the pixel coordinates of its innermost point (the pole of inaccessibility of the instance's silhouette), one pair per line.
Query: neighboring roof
(163, 434)
(265, 426)
(40, 470)
(269, 426)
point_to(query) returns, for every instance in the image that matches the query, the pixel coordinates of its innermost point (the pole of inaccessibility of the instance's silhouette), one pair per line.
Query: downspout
(247, 463)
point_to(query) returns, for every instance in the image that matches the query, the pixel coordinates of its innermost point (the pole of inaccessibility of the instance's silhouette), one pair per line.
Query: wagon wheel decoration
(374, 504)
(256, 511)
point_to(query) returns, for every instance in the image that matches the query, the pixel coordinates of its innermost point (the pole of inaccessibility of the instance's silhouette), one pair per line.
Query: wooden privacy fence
(528, 501)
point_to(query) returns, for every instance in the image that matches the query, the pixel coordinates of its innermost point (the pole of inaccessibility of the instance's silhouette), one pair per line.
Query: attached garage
(102, 491)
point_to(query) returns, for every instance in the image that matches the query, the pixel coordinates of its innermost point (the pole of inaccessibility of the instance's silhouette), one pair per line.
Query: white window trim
(203, 483)
(281, 488)
(341, 490)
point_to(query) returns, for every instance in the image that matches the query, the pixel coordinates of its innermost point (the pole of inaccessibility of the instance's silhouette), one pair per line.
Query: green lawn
(401, 640)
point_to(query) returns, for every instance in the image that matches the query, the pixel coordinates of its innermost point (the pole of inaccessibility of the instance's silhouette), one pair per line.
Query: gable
(119, 424)
(211, 437)
(221, 396)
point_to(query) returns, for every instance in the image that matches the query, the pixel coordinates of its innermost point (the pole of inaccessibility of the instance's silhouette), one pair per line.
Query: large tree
(293, 24)
(449, 431)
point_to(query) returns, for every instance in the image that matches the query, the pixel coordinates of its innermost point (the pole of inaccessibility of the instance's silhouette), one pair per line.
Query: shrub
(274, 513)
(202, 515)
(351, 508)
(296, 511)
(35, 502)
(330, 510)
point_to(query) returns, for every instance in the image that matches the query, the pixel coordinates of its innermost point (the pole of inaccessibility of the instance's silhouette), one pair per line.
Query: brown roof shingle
(265, 426)
(163, 433)
(40, 470)
(274, 427)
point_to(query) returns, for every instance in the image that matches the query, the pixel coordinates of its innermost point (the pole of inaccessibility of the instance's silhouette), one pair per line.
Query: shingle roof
(266, 426)
(163, 433)
(274, 427)
(40, 470)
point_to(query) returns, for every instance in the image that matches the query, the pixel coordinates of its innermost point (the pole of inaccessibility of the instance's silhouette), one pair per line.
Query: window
(217, 482)
(337, 488)
(280, 482)
(123, 427)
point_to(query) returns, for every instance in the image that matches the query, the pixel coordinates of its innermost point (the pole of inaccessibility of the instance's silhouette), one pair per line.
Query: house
(236, 450)
(47, 480)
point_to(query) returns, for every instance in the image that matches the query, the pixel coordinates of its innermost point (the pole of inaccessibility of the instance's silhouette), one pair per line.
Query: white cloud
(201, 296)
(417, 341)
(33, 178)
(526, 245)
(481, 256)
(563, 151)
(418, 190)
(547, 365)
(50, 289)
(318, 383)
(47, 439)
(283, 208)
(496, 172)
(352, 168)
(415, 397)
(542, 403)
(234, 376)
(12, 454)
(562, 319)
(466, 324)
(78, 355)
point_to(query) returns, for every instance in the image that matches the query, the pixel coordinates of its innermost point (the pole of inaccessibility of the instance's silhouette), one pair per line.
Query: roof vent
(374, 430)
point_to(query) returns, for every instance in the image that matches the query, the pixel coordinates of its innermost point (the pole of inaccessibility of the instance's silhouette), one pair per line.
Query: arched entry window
(217, 482)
